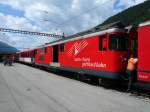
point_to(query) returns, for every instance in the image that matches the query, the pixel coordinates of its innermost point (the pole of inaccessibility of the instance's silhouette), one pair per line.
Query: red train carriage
(27, 56)
(98, 54)
(144, 52)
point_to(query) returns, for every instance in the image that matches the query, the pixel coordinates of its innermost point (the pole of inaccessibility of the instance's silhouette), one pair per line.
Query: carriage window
(42, 50)
(102, 43)
(118, 42)
(62, 47)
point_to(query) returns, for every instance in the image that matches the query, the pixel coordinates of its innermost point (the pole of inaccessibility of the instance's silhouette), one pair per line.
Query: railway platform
(27, 89)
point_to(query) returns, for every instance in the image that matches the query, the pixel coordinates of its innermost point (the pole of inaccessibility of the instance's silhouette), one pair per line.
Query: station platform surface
(27, 89)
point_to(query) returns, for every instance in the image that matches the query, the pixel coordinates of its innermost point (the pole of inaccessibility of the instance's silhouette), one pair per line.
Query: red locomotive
(102, 54)
(93, 54)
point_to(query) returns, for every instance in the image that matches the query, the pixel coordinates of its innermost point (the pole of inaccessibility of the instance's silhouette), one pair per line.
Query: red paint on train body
(43, 55)
(85, 54)
(100, 54)
(144, 52)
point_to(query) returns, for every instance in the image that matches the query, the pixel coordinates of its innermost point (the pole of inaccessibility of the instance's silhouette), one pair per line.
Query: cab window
(118, 42)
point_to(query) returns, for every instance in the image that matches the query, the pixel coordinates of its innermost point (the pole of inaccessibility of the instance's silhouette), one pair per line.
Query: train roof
(28, 50)
(145, 23)
(77, 37)
(98, 30)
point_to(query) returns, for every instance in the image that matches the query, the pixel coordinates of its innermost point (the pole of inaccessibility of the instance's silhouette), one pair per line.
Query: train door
(55, 53)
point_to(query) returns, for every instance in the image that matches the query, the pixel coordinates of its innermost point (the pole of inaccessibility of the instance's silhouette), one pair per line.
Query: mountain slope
(5, 48)
(132, 16)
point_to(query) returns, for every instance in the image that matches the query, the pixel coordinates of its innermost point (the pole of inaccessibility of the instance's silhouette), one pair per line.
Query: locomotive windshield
(118, 42)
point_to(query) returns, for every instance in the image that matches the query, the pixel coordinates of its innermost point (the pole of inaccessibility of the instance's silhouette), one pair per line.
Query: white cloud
(101, 1)
(15, 22)
(76, 5)
(128, 3)
(58, 16)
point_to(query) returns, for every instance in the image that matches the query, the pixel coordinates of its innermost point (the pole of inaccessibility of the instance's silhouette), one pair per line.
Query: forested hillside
(133, 15)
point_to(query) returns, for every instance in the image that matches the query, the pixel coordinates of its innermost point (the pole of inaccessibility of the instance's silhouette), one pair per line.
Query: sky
(54, 16)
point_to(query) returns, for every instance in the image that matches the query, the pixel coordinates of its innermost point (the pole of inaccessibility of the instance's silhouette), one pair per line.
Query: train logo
(77, 48)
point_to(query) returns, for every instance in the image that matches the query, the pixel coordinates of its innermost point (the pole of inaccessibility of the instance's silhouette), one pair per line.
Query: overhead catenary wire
(29, 32)
(57, 24)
